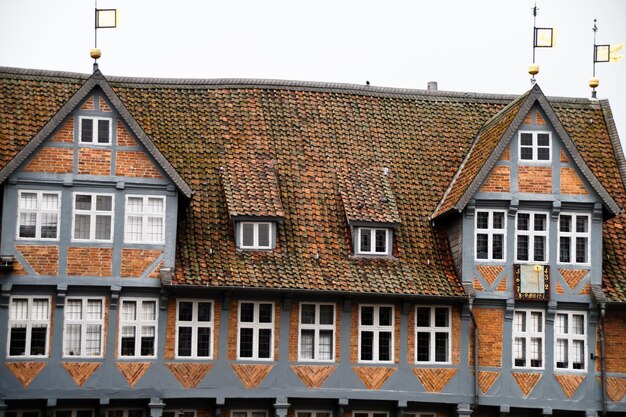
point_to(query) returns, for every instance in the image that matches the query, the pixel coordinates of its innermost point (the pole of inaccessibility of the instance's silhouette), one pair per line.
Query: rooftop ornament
(104, 19)
(542, 38)
(602, 53)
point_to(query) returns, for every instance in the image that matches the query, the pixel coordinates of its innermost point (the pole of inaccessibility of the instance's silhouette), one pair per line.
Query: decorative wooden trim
(133, 371)
(373, 377)
(486, 380)
(434, 379)
(519, 295)
(569, 383)
(526, 381)
(80, 371)
(313, 376)
(189, 374)
(251, 376)
(25, 372)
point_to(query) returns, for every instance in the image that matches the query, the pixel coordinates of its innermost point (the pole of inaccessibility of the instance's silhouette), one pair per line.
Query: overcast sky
(479, 46)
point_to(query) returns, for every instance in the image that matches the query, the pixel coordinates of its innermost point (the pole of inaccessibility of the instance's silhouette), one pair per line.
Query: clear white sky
(479, 46)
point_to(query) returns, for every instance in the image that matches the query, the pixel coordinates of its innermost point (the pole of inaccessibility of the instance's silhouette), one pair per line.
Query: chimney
(432, 85)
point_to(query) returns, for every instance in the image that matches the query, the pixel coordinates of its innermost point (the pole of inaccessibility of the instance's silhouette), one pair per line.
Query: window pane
(366, 240)
(134, 229)
(565, 249)
(386, 316)
(184, 341)
(248, 234)
(307, 315)
(148, 335)
(482, 246)
(582, 224)
(265, 339)
(103, 131)
(540, 222)
(367, 316)
(543, 154)
(326, 345)
(526, 139)
(581, 249)
(49, 225)
(204, 341)
(28, 225)
(204, 311)
(94, 309)
(82, 202)
(536, 322)
(247, 312)
(264, 235)
(498, 247)
(565, 223)
(535, 353)
(526, 153)
(103, 227)
(543, 139)
(498, 220)
(86, 134)
(482, 220)
(523, 221)
(423, 317)
(540, 248)
(423, 347)
(72, 339)
(40, 309)
(19, 309)
(18, 340)
(327, 314)
(156, 205)
(560, 352)
(129, 310)
(441, 317)
(134, 205)
(384, 346)
(265, 313)
(561, 324)
(148, 312)
(73, 309)
(441, 347)
(307, 340)
(578, 324)
(185, 311)
(155, 229)
(367, 346)
(104, 203)
(520, 351)
(381, 241)
(522, 248)
(519, 321)
(578, 354)
(245, 343)
(38, 339)
(92, 339)
(128, 341)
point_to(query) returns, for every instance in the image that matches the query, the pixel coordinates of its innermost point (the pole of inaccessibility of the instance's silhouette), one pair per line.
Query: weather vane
(105, 19)
(602, 53)
(542, 38)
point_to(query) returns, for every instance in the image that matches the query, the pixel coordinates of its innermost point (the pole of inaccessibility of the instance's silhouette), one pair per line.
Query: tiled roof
(310, 132)
(367, 195)
(251, 187)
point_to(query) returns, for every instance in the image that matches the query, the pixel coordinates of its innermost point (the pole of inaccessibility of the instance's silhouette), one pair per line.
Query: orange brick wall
(135, 164)
(94, 161)
(85, 261)
(498, 180)
(66, 133)
(490, 327)
(614, 340)
(456, 335)
(44, 259)
(571, 183)
(293, 332)
(54, 160)
(564, 157)
(136, 261)
(354, 333)
(506, 155)
(170, 329)
(88, 105)
(534, 179)
(103, 105)
(123, 136)
(232, 330)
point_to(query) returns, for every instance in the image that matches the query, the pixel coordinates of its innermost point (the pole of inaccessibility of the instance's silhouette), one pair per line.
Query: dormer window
(256, 235)
(534, 146)
(531, 237)
(95, 130)
(373, 241)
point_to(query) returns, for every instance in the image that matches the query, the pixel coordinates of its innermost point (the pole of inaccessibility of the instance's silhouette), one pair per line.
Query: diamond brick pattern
(80, 371)
(313, 376)
(569, 383)
(25, 372)
(615, 387)
(374, 377)
(490, 273)
(486, 380)
(133, 371)
(526, 381)
(573, 276)
(189, 374)
(434, 379)
(251, 376)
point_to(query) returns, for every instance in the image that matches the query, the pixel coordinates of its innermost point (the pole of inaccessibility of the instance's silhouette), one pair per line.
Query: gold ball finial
(594, 82)
(95, 53)
(533, 69)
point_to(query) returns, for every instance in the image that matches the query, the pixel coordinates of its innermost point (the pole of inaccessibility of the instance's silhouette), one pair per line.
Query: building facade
(228, 248)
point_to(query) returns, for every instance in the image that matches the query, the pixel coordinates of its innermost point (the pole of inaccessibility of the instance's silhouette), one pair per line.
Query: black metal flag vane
(104, 19)
(542, 38)
(602, 53)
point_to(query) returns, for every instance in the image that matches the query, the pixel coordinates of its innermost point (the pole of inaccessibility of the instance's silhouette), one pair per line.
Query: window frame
(255, 235)
(369, 413)
(317, 327)
(535, 146)
(490, 232)
(531, 233)
(74, 411)
(433, 330)
(528, 336)
(314, 413)
(573, 236)
(255, 325)
(38, 212)
(571, 337)
(372, 251)
(29, 325)
(177, 412)
(195, 324)
(376, 329)
(138, 324)
(83, 325)
(125, 411)
(21, 411)
(248, 412)
(144, 218)
(94, 133)
(92, 216)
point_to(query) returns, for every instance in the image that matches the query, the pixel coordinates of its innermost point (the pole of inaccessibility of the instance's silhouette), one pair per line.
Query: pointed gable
(490, 144)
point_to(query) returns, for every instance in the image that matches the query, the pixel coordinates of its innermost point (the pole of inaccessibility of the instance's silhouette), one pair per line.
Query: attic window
(255, 235)
(373, 241)
(95, 130)
(534, 146)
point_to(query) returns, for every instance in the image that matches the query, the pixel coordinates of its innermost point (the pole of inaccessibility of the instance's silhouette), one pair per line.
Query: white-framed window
(29, 324)
(528, 337)
(432, 334)
(194, 329)
(317, 332)
(83, 326)
(74, 412)
(314, 413)
(145, 219)
(412, 414)
(490, 231)
(179, 413)
(21, 413)
(256, 330)
(255, 235)
(38, 215)
(376, 327)
(531, 237)
(125, 412)
(570, 341)
(93, 217)
(248, 413)
(534, 146)
(138, 327)
(373, 241)
(574, 238)
(95, 130)
(370, 414)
